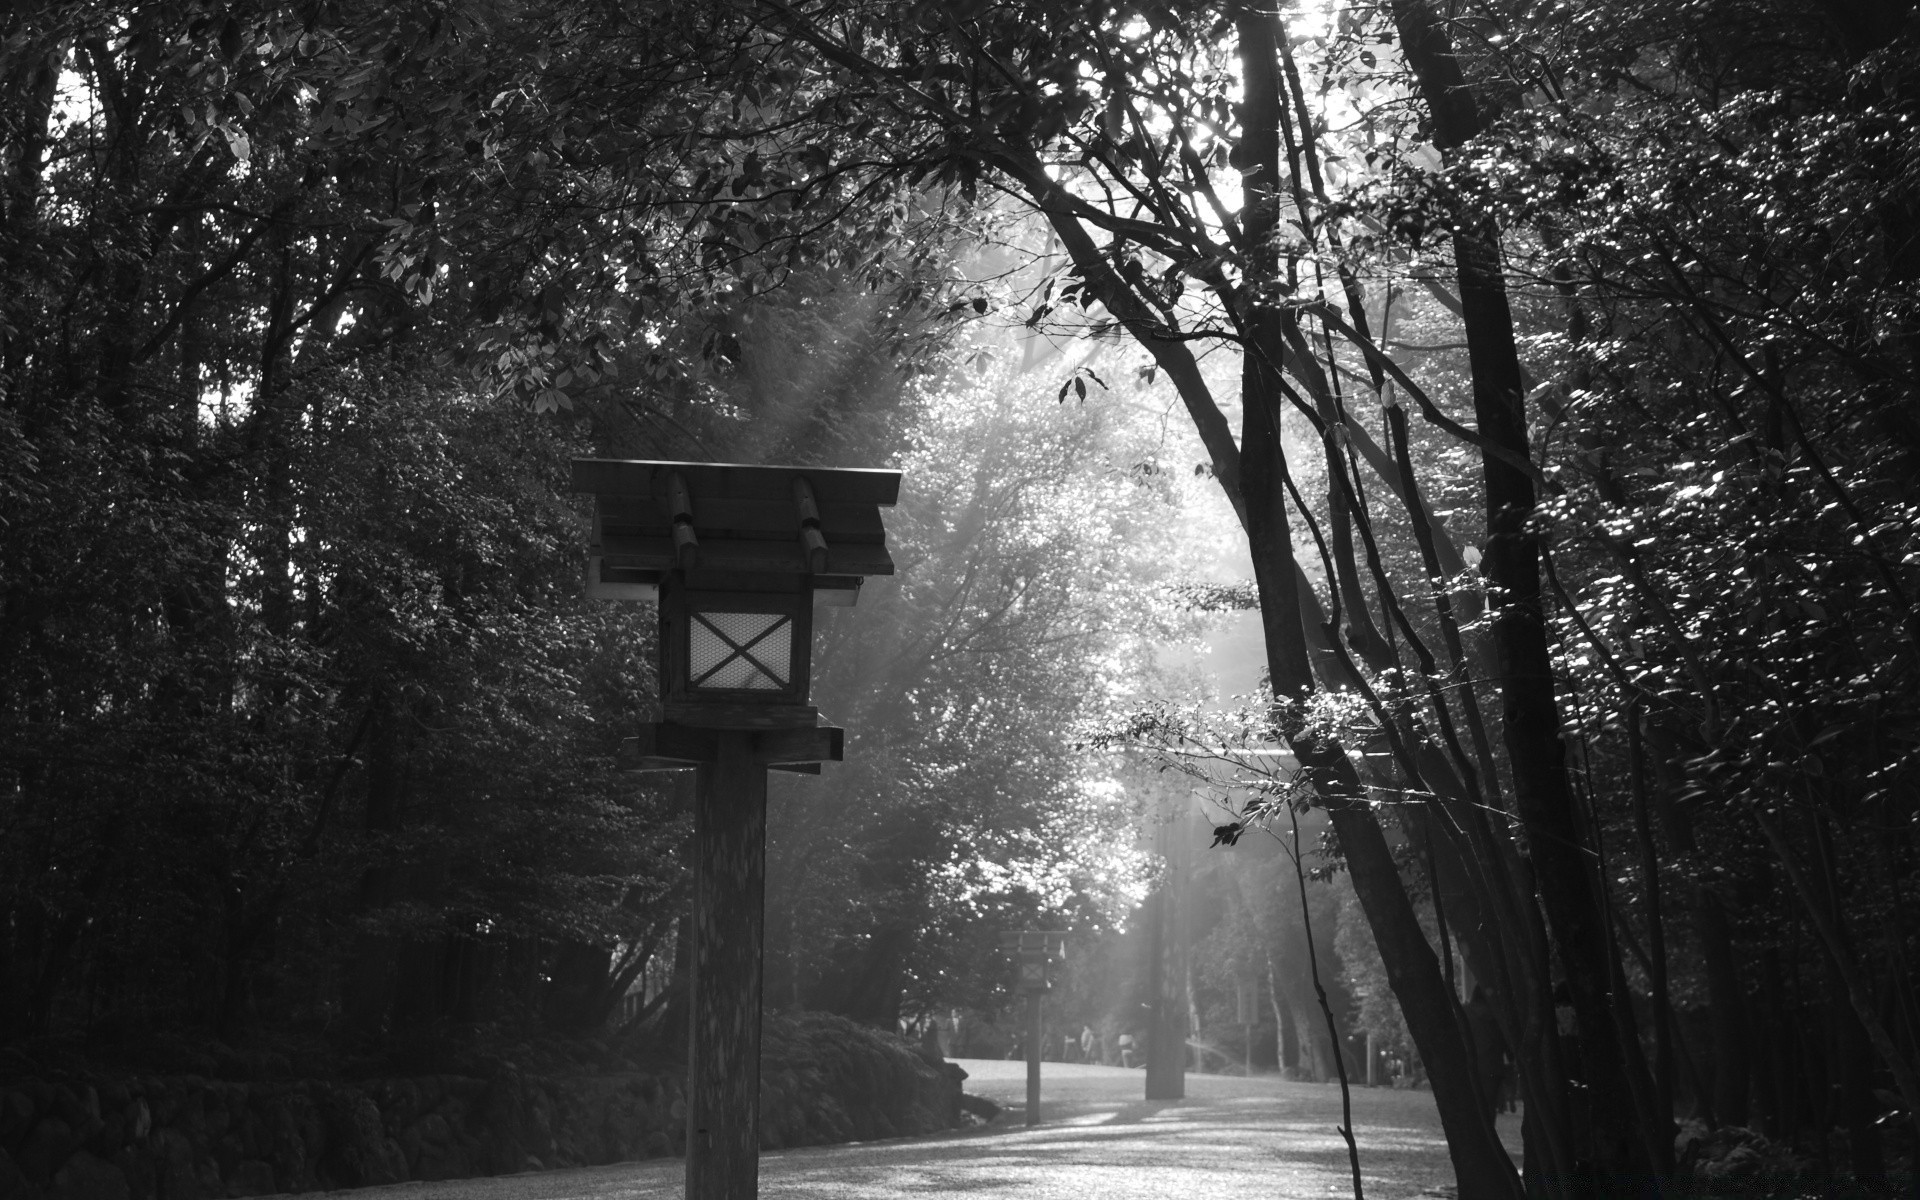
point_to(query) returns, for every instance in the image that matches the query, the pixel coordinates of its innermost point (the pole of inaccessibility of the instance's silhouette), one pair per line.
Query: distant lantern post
(1166, 1074)
(1035, 949)
(1247, 1000)
(736, 558)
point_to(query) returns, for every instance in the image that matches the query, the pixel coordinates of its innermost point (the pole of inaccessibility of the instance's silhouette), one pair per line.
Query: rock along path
(1230, 1138)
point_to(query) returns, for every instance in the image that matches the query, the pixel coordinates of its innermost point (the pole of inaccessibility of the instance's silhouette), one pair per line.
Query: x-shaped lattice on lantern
(722, 649)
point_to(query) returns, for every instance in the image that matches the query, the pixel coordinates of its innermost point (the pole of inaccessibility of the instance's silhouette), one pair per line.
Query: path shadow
(1133, 1114)
(952, 1187)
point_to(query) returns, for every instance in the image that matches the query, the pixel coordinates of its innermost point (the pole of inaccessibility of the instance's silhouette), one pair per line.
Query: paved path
(1230, 1139)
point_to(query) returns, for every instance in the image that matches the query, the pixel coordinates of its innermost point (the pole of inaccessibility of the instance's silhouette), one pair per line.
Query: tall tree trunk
(1629, 1140)
(1481, 1166)
(1286, 1047)
(1859, 1110)
(1773, 1031)
(1656, 919)
(1823, 913)
(1728, 1006)
(368, 978)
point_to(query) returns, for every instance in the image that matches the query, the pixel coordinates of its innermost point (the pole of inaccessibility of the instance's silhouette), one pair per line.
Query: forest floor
(1230, 1138)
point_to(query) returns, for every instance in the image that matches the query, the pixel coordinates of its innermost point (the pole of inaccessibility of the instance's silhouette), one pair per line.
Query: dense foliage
(1557, 363)
(1651, 271)
(1034, 542)
(309, 736)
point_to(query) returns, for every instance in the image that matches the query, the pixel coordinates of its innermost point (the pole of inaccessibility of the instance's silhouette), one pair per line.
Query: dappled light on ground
(1231, 1138)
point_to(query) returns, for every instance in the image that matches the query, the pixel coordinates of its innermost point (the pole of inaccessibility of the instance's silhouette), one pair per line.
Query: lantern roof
(1035, 941)
(730, 524)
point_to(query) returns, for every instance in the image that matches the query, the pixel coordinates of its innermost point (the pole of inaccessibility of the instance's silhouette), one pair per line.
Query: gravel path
(1230, 1139)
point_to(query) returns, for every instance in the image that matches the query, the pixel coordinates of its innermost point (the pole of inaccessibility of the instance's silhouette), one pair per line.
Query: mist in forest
(1482, 437)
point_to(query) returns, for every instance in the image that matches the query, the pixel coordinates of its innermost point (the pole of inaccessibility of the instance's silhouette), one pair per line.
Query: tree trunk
(368, 978)
(1286, 1048)
(1628, 1140)
(1656, 919)
(1727, 1003)
(1481, 1166)
(1167, 1038)
(1859, 1110)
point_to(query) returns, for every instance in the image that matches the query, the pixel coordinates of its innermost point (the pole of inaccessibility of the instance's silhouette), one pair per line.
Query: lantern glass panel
(740, 651)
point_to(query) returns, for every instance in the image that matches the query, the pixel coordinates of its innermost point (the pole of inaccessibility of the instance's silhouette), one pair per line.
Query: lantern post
(735, 558)
(1247, 1000)
(1036, 948)
(1166, 1074)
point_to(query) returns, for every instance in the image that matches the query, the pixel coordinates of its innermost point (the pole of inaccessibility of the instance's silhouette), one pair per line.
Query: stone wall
(187, 1137)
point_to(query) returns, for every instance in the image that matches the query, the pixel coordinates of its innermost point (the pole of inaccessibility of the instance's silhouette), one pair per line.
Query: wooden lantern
(1036, 950)
(736, 558)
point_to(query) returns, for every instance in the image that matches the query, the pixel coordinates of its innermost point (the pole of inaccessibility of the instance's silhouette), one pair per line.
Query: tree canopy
(1555, 362)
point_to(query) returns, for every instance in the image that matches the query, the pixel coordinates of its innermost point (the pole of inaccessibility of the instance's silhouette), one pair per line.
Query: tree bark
(1628, 1140)
(1832, 940)
(1656, 918)
(1727, 1002)
(1481, 1166)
